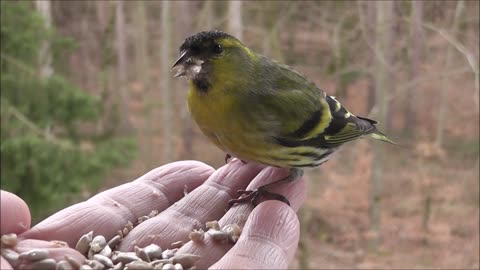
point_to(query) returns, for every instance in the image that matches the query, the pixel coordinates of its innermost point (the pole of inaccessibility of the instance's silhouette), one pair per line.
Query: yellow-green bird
(258, 110)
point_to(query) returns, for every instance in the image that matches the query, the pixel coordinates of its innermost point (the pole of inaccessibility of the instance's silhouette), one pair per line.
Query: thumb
(15, 215)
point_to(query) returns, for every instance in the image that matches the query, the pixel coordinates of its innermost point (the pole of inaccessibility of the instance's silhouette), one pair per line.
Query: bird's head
(211, 55)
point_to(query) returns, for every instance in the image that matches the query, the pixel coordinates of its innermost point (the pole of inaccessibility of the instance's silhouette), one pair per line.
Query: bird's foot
(253, 196)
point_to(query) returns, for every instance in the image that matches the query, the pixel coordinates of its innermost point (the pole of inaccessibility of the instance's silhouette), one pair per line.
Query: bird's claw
(252, 196)
(228, 157)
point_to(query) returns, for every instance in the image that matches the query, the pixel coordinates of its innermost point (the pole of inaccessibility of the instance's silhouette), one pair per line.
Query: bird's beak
(187, 65)
(179, 64)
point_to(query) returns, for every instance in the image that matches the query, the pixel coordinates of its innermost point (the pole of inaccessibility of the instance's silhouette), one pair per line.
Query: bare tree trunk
(416, 58)
(235, 18)
(141, 44)
(122, 65)
(102, 11)
(382, 61)
(45, 58)
(206, 16)
(143, 75)
(371, 93)
(443, 92)
(165, 83)
(184, 27)
(274, 23)
(370, 32)
(367, 17)
(390, 30)
(106, 22)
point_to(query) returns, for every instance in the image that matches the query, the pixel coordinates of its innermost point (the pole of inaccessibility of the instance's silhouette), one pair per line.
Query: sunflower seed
(234, 238)
(43, 264)
(161, 261)
(85, 267)
(125, 257)
(98, 243)
(11, 256)
(233, 230)
(104, 260)
(158, 266)
(197, 236)
(142, 219)
(114, 241)
(168, 253)
(34, 255)
(129, 225)
(138, 265)
(118, 266)
(168, 266)
(9, 240)
(83, 243)
(218, 235)
(153, 251)
(96, 265)
(72, 262)
(177, 244)
(142, 254)
(58, 244)
(125, 231)
(213, 225)
(91, 253)
(153, 213)
(106, 251)
(178, 266)
(186, 260)
(64, 265)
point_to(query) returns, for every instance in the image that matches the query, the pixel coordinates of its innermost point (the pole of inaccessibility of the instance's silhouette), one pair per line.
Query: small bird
(259, 110)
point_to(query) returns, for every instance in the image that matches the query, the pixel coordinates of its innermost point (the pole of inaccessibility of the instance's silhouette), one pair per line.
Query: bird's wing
(345, 126)
(328, 125)
(297, 113)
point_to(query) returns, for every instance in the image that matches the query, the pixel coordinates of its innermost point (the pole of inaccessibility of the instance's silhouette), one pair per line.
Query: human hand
(270, 230)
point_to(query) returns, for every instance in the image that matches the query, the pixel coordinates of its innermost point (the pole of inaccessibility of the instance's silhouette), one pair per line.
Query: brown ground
(338, 234)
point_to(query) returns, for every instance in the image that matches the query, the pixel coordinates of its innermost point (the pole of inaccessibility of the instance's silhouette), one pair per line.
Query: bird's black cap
(202, 38)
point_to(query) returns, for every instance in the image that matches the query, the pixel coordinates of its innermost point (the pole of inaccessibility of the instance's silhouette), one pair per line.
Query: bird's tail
(382, 137)
(373, 131)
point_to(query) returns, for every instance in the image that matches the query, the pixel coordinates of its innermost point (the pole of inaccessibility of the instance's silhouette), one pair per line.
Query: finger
(109, 211)
(56, 250)
(211, 251)
(207, 202)
(269, 239)
(15, 215)
(4, 264)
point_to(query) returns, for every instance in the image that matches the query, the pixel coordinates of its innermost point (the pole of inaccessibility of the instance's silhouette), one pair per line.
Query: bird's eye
(217, 49)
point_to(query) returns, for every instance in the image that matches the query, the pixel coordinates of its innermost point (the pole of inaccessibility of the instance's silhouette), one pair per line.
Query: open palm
(270, 230)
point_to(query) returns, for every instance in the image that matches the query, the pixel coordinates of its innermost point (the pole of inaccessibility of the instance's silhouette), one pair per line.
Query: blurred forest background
(88, 102)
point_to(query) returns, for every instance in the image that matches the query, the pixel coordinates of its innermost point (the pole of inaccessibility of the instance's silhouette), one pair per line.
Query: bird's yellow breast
(217, 116)
(210, 109)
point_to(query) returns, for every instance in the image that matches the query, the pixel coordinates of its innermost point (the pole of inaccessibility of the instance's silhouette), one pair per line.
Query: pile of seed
(102, 254)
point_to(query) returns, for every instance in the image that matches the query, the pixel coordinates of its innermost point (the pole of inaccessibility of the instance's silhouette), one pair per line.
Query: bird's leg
(253, 196)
